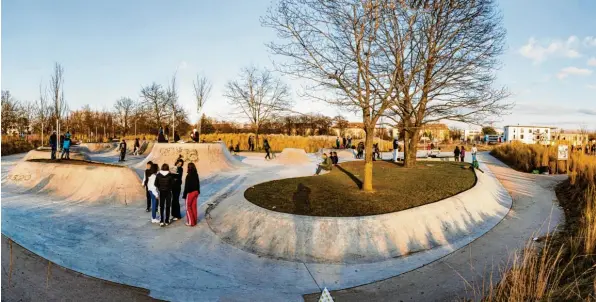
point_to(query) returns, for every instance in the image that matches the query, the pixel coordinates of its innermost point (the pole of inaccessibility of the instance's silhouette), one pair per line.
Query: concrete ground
(535, 211)
(28, 277)
(119, 244)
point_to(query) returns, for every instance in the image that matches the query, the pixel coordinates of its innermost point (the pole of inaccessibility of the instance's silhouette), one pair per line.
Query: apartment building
(528, 134)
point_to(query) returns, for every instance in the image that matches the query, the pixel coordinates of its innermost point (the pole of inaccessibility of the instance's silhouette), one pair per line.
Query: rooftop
(529, 126)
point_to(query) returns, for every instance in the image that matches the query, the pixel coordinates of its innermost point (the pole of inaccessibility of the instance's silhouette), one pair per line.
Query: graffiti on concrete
(188, 155)
(18, 177)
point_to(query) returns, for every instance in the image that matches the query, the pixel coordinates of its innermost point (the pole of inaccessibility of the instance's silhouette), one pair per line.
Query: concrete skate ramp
(342, 154)
(97, 147)
(146, 146)
(79, 181)
(208, 157)
(293, 156)
(47, 154)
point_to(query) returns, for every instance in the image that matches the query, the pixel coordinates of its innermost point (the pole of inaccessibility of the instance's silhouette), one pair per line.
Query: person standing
(176, 190)
(337, 143)
(146, 182)
(66, 146)
(266, 147)
(164, 184)
(122, 149)
(53, 144)
(594, 149)
(61, 145)
(474, 152)
(250, 143)
(160, 136)
(344, 142)
(176, 137)
(349, 142)
(195, 135)
(192, 190)
(462, 155)
(456, 153)
(137, 146)
(395, 148)
(152, 191)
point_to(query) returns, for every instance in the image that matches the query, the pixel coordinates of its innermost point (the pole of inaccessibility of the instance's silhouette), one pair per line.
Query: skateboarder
(137, 147)
(176, 190)
(192, 190)
(66, 146)
(122, 149)
(164, 183)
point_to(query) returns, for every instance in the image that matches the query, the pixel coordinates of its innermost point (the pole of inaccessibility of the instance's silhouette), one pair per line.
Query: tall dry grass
(563, 268)
(277, 141)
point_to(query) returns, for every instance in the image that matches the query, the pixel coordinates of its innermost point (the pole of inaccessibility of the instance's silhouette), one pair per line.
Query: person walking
(266, 147)
(137, 146)
(395, 148)
(474, 152)
(53, 144)
(192, 190)
(324, 165)
(164, 183)
(176, 190)
(152, 191)
(250, 143)
(66, 147)
(337, 143)
(462, 155)
(456, 153)
(146, 184)
(122, 149)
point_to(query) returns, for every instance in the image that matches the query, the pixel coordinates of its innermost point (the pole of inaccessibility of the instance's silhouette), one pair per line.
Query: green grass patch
(338, 194)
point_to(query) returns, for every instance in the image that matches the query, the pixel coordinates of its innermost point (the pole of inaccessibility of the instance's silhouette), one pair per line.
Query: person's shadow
(301, 200)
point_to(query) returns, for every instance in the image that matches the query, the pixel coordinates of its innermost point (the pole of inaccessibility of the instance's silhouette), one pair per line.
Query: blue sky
(109, 49)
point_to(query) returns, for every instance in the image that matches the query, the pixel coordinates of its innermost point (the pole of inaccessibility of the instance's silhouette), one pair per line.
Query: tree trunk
(412, 148)
(257, 138)
(42, 134)
(367, 183)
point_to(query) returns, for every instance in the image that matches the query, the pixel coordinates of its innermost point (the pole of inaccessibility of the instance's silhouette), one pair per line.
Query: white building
(528, 134)
(472, 134)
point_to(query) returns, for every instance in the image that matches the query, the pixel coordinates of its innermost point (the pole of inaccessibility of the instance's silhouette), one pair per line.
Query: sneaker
(154, 221)
(147, 210)
(174, 218)
(167, 223)
(161, 224)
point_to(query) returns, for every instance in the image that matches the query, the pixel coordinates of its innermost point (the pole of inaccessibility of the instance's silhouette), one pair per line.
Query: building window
(514, 136)
(521, 136)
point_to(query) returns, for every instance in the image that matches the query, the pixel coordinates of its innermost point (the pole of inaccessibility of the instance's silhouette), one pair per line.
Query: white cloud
(567, 71)
(592, 61)
(182, 65)
(590, 41)
(534, 51)
(590, 86)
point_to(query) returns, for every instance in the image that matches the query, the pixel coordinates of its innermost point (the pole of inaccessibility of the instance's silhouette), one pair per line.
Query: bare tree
(171, 96)
(202, 88)
(258, 95)
(27, 117)
(124, 107)
(43, 111)
(57, 90)
(445, 56)
(335, 46)
(155, 100)
(10, 111)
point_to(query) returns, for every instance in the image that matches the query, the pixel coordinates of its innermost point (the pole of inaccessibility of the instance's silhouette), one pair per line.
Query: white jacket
(474, 150)
(151, 186)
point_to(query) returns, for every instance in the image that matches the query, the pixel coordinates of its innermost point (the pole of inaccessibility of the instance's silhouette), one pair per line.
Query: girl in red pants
(192, 189)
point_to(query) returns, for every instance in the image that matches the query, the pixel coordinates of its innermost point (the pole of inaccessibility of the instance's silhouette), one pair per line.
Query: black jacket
(191, 184)
(164, 182)
(122, 147)
(53, 139)
(395, 144)
(178, 176)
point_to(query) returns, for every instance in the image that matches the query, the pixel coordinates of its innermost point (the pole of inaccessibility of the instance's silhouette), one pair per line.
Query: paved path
(535, 211)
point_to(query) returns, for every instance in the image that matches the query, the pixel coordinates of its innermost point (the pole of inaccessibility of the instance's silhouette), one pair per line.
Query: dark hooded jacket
(164, 181)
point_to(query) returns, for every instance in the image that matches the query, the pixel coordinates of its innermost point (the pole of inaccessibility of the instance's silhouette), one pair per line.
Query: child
(192, 189)
(324, 165)
(164, 183)
(456, 153)
(267, 148)
(176, 190)
(66, 147)
(137, 146)
(122, 149)
(462, 155)
(334, 159)
(145, 182)
(153, 192)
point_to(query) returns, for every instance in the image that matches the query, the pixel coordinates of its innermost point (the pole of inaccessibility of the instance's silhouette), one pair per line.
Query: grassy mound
(338, 194)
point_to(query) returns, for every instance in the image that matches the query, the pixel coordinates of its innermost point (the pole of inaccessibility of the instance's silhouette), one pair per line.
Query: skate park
(89, 217)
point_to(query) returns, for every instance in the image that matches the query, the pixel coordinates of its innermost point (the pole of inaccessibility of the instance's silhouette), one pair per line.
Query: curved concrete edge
(36, 154)
(77, 183)
(367, 239)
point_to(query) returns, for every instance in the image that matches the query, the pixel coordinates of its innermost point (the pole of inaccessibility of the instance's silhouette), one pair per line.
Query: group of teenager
(588, 149)
(460, 153)
(345, 143)
(163, 190)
